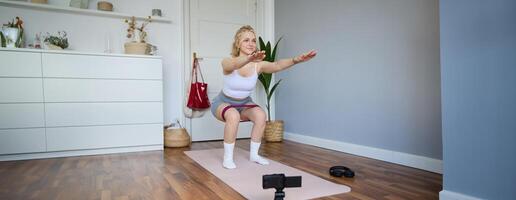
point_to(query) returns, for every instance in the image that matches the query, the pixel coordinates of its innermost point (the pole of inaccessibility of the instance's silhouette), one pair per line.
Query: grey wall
(478, 52)
(376, 79)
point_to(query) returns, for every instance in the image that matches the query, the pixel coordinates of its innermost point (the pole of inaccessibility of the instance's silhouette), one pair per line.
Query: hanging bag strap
(197, 69)
(194, 72)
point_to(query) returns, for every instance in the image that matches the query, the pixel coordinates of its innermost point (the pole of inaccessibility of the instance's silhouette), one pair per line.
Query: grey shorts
(240, 105)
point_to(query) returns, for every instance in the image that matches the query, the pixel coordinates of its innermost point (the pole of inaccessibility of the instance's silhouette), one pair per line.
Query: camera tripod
(279, 194)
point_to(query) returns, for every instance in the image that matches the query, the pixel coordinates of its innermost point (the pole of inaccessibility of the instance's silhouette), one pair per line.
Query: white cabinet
(91, 66)
(14, 141)
(54, 102)
(87, 137)
(91, 114)
(20, 64)
(80, 90)
(22, 115)
(20, 90)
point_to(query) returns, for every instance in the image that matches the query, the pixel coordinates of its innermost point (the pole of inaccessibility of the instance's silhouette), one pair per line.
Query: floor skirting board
(448, 195)
(416, 161)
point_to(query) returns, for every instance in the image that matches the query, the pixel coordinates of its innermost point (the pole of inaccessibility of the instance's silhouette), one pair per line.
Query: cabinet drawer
(22, 141)
(81, 90)
(20, 64)
(74, 138)
(14, 90)
(86, 114)
(26, 115)
(84, 66)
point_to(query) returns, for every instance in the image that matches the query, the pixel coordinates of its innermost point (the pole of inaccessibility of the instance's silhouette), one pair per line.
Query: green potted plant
(12, 34)
(273, 128)
(56, 42)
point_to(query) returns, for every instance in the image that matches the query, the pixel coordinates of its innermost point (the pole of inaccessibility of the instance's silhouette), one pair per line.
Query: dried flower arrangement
(12, 24)
(141, 35)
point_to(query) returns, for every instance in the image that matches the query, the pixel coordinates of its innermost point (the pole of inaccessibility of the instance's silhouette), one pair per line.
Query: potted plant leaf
(274, 128)
(2, 39)
(12, 34)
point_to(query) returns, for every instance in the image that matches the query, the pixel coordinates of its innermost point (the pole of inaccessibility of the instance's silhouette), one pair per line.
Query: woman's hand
(256, 56)
(304, 57)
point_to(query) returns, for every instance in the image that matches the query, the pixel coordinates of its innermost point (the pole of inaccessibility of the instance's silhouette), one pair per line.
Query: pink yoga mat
(247, 177)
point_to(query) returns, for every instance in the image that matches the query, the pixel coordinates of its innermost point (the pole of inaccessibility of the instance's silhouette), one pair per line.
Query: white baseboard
(448, 195)
(79, 152)
(419, 162)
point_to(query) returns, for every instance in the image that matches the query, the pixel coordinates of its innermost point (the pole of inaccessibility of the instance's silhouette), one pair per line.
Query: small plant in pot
(12, 34)
(56, 42)
(137, 37)
(274, 128)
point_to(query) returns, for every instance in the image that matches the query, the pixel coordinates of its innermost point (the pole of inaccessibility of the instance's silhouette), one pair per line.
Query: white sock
(253, 154)
(228, 156)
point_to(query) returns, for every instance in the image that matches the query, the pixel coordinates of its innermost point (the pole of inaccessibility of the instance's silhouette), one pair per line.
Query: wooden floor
(170, 174)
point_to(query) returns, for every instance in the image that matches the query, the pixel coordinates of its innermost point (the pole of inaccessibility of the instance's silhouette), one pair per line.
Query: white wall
(89, 33)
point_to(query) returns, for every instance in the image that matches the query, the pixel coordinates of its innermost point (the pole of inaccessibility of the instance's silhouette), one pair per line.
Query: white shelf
(35, 6)
(77, 52)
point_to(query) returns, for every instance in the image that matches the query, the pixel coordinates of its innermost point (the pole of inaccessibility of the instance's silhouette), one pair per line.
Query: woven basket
(274, 131)
(105, 6)
(177, 137)
(137, 48)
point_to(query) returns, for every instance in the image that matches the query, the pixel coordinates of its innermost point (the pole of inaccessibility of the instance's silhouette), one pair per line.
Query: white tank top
(238, 86)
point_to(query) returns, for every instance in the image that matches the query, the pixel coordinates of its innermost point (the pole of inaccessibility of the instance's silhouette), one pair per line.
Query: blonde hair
(235, 48)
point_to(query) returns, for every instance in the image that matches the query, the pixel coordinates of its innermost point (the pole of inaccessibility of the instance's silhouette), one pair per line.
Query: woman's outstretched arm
(231, 64)
(271, 67)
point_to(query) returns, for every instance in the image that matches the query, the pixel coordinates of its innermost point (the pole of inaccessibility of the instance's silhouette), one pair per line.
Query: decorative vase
(11, 35)
(79, 4)
(60, 3)
(176, 137)
(138, 48)
(274, 131)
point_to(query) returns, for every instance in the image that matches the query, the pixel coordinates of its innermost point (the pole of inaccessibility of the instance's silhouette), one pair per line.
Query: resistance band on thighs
(236, 106)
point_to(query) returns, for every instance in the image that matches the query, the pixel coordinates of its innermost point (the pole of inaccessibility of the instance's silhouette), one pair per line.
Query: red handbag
(198, 97)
